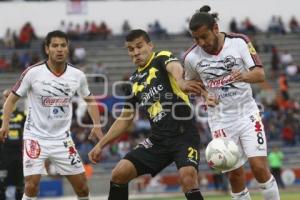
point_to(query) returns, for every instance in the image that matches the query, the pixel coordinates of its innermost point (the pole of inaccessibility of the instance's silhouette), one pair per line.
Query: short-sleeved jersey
(156, 94)
(214, 70)
(49, 99)
(14, 140)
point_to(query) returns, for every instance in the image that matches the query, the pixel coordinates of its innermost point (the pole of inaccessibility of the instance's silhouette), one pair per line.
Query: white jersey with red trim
(49, 100)
(235, 98)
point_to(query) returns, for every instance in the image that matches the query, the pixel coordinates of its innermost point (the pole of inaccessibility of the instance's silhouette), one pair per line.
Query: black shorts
(13, 168)
(151, 158)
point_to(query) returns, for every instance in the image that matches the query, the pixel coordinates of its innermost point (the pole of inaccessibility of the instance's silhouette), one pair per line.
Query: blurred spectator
(233, 27)
(35, 58)
(276, 25)
(125, 27)
(99, 70)
(286, 58)
(292, 70)
(294, 25)
(288, 134)
(93, 31)
(4, 65)
(8, 39)
(283, 86)
(15, 61)
(27, 34)
(157, 31)
(275, 60)
(103, 31)
(248, 27)
(63, 27)
(275, 158)
(79, 55)
(25, 60)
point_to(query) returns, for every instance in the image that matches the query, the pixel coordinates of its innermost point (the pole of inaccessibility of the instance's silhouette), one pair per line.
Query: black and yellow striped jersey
(156, 93)
(14, 139)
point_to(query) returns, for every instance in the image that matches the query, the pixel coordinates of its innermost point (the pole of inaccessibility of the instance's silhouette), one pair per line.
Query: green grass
(256, 196)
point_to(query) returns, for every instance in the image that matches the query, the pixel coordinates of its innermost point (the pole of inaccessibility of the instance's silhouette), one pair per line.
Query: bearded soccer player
(49, 87)
(227, 64)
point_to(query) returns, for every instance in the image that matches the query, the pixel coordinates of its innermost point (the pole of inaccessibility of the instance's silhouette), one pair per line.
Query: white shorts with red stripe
(61, 153)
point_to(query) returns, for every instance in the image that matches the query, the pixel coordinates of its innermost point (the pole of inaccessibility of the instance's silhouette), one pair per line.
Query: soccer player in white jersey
(227, 64)
(49, 87)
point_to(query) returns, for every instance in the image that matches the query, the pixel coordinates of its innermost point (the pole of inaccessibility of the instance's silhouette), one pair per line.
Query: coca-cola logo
(55, 101)
(220, 82)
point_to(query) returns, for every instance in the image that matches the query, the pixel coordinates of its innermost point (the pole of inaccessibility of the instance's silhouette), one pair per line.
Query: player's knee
(188, 178)
(31, 187)
(119, 176)
(82, 190)
(257, 170)
(123, 172)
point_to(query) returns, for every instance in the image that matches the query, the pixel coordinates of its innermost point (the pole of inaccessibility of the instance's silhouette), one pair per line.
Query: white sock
(243, 195)
(10, 193)
(28, 198)
(83, 198)
(269, 189)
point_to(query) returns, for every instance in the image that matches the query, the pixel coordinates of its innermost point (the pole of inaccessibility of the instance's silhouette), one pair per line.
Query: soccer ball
(222, 154)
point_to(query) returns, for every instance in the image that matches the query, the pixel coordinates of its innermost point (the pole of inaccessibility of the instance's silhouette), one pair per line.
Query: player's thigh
(253, 137)
(65, 157)
(149, 158)
(35, 153)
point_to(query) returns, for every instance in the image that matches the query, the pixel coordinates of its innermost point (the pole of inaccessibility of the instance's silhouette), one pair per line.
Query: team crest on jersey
(32, 148)
(251, 48)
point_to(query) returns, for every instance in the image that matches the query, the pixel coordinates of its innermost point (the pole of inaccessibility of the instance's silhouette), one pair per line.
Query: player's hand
(211, 100)
(3, 133)
(237, 76)
(95, 154)
(190, 87)
(96, 132)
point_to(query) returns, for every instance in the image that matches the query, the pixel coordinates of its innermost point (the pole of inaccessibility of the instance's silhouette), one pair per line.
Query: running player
(158, 91)
(227, 63)
(49, 87)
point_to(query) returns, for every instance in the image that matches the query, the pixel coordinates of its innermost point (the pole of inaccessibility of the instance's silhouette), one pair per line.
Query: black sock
(194, 194)
(118, 191)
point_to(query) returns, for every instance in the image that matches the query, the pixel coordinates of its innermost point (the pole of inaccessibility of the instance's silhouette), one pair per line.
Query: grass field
(283, 195)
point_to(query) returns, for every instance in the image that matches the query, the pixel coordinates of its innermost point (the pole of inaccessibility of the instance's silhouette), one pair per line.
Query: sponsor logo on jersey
(220, 82)
(55, 101)
(153, 91)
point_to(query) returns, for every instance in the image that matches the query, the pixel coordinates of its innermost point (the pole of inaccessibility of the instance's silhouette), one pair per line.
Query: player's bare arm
(255, 75)
(8, 108)
(94, 113)
(117, 129)
(187, 86)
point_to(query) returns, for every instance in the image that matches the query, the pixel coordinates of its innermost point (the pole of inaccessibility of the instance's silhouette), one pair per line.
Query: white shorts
(248, 133)
(62, 154)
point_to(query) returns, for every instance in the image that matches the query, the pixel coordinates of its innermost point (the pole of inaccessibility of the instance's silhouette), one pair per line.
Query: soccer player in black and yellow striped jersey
(11, 167)
(158, 90)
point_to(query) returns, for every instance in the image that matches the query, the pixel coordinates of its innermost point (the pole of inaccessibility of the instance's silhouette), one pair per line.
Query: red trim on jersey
(18, 83)
(188, 51)
(255, 57)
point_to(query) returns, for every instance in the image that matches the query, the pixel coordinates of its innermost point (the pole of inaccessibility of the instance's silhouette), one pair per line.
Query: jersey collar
(56, 74)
